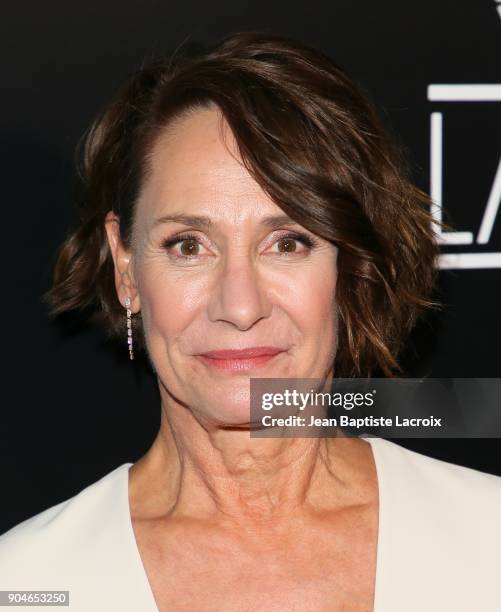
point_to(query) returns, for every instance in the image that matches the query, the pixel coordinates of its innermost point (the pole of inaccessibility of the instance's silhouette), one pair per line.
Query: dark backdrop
(74, 407)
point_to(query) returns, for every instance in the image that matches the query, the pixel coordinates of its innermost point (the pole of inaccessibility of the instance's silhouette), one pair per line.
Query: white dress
(439, 542)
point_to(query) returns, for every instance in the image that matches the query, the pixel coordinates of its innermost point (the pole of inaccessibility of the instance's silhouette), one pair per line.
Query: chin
(233, 416)
(223, 404)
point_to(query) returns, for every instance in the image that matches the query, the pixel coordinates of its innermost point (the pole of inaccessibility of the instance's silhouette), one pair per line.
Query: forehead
(195, 167)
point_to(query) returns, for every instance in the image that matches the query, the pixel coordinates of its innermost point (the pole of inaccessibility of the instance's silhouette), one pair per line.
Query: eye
(189, 246)
(288, 244)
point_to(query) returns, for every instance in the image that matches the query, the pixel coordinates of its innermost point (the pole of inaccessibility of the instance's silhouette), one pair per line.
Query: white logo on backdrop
(487, 259)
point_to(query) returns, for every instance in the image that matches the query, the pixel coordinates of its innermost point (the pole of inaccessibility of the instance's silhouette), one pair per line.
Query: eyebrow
(202, 222)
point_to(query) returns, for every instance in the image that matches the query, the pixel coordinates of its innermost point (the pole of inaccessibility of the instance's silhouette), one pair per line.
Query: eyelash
(307, 241)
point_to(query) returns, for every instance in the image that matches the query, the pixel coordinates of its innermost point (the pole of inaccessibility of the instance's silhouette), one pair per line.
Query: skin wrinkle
(238, 293)
(208, 503)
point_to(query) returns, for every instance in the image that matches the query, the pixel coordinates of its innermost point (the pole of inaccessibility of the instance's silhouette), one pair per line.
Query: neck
(209, 472)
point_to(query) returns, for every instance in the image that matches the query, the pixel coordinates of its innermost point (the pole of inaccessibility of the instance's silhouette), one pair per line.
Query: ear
(124, 276)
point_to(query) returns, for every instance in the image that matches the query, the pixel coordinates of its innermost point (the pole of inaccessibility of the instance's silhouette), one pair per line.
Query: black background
(74, 407)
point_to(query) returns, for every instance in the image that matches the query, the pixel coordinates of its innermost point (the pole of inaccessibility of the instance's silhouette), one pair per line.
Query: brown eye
(183, 247)
(288, 244)
(189, 247)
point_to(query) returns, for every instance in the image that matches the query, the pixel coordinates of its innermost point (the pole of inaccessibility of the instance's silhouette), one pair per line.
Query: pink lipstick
(240, 360)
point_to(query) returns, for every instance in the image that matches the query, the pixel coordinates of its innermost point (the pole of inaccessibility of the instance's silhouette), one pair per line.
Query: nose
(239, 295)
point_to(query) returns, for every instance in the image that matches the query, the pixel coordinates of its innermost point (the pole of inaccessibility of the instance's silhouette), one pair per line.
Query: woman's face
(218, 266)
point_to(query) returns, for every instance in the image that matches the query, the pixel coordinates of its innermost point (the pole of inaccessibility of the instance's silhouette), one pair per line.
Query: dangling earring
(129, 327)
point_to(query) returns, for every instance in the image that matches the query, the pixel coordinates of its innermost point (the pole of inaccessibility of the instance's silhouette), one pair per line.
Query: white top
(439, 541)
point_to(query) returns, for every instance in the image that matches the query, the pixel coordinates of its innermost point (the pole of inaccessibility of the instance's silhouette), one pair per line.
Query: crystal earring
(129, 327)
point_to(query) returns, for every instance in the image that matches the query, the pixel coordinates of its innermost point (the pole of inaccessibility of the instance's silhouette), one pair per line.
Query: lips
(247, 353)
(240, 360)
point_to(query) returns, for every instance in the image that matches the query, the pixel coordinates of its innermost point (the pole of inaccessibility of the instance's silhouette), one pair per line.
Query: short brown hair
(314, 143)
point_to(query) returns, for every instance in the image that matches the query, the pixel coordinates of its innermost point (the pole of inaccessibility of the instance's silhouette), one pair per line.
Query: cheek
(169, 303)
(322, 330)
(311, 297)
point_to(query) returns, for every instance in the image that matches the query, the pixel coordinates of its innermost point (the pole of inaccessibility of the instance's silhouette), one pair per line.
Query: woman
(246, 216)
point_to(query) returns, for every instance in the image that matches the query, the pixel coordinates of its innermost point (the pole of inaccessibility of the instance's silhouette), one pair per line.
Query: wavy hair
(315, 144)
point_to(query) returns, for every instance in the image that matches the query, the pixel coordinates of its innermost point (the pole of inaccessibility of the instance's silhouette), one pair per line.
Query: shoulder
(63, 534)
(454, 495)
(440, 532)
(441, 478)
